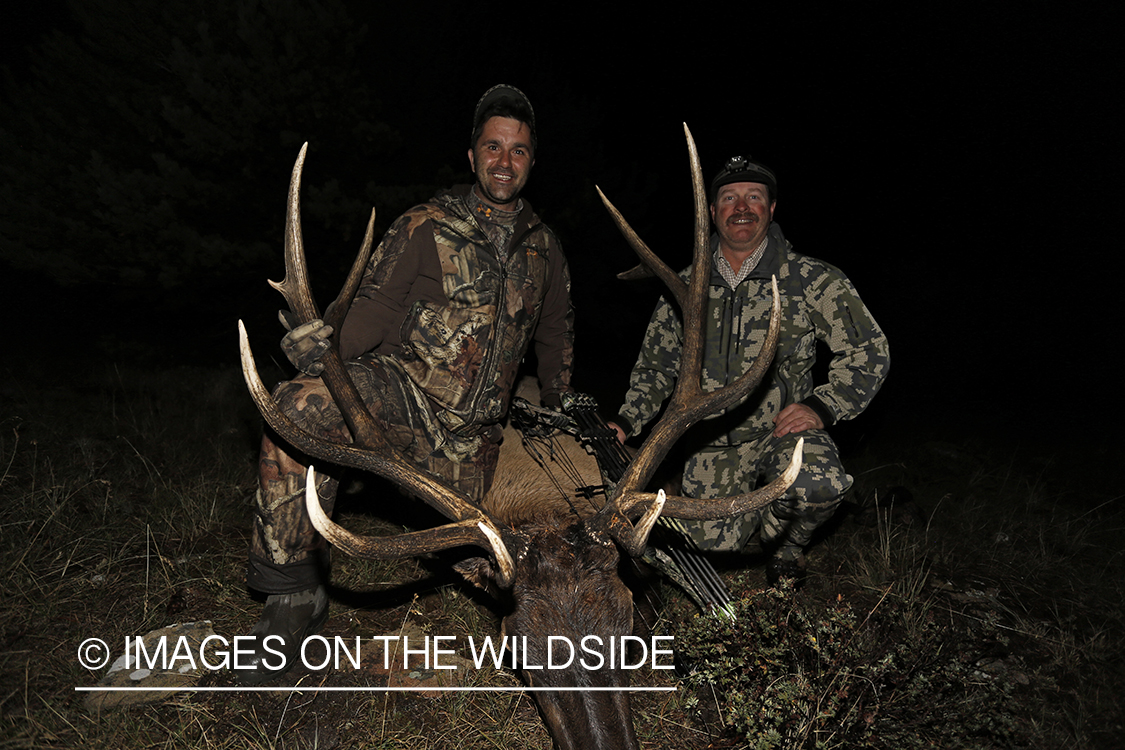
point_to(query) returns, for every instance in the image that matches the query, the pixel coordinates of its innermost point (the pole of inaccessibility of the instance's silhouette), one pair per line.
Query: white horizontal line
(311, 689)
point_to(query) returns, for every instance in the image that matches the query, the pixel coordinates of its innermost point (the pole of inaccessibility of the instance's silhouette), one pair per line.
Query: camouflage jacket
(436, 297)
(817, 302)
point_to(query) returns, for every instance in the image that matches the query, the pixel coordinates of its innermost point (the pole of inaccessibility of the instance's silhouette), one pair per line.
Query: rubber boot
(286, 621)
(787, 562)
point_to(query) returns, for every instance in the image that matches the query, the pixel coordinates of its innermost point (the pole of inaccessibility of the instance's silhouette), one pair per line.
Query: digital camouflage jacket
(817, 303)
(437, 297)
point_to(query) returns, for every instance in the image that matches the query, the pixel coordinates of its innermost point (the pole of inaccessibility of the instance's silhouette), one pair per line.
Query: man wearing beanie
(453, 296)
(751, 443)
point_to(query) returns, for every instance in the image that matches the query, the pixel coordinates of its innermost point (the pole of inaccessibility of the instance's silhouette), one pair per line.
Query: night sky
(954, 161)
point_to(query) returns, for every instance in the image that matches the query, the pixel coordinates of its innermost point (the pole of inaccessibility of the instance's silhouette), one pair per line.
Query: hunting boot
(286, 621)
(787, 562)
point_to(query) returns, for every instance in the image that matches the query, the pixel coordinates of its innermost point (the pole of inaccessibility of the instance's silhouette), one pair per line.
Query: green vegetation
(824, 678)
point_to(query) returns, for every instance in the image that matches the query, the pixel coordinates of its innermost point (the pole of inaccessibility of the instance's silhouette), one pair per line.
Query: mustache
(751, 217)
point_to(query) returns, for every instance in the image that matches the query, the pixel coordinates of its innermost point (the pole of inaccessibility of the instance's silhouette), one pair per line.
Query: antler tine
(651, 264)
(694, 509)
(337, 311)
(298, 294)
(295, 286)
(469, 531)
(691, 358)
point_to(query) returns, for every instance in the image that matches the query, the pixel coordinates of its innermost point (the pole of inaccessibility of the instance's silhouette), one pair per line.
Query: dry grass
(127, 507)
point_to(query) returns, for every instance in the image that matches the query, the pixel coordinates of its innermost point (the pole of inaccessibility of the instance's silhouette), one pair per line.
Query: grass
(987, 613)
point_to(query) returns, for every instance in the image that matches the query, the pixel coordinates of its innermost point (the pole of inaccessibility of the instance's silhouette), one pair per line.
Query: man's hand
(306, 344)
(617, 431)
(796, 418)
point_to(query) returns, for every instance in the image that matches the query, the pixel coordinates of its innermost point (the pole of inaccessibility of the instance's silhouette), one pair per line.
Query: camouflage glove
(305, 344)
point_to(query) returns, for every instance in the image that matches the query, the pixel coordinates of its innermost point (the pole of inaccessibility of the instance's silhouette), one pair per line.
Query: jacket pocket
(444, 348)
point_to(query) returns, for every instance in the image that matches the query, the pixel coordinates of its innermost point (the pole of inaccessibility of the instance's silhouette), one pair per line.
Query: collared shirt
(732, 277)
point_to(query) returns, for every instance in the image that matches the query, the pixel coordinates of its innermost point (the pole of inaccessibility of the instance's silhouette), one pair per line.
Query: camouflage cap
(494, 95)
(740, 169)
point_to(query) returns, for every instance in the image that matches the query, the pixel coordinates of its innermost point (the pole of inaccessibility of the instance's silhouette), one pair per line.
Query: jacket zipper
(486, 374)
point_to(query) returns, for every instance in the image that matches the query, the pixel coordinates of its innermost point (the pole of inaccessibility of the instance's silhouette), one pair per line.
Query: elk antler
(369, 450)
(689, 403)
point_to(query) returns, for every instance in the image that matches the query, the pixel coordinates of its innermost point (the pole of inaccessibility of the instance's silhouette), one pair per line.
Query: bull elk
(555, 565)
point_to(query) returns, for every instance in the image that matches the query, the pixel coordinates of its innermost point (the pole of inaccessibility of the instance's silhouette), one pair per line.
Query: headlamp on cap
(742, 169)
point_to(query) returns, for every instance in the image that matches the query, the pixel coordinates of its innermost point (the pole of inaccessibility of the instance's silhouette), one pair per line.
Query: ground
(127, 507)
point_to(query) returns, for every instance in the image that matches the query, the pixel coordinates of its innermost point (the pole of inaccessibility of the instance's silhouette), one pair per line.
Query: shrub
(787, 676)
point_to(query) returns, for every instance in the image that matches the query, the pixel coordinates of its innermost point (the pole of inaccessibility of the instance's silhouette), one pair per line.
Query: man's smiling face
(742, 213)
(502, 160)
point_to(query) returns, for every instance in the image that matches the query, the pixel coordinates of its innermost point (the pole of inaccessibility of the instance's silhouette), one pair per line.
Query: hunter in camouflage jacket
(433, 341)
(728, 451)
(817, 302)
(438, 296)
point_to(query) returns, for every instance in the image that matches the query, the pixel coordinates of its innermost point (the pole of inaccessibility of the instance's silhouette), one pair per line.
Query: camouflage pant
(717, 472)
(287, 555)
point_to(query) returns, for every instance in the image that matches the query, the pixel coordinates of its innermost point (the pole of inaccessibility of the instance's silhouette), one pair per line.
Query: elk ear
(479, 572)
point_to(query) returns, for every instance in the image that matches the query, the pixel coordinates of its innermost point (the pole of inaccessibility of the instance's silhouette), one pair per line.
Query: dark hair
(504, 101)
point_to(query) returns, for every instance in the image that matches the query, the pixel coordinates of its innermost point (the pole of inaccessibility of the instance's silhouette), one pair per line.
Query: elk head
(556, 564)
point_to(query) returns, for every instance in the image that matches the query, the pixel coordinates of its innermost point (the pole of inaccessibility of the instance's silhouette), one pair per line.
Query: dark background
(959, 163)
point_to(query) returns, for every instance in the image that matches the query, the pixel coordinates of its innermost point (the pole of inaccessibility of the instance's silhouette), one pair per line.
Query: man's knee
(825, 488)
(819, 487)
(307, 402)
(822, 478)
